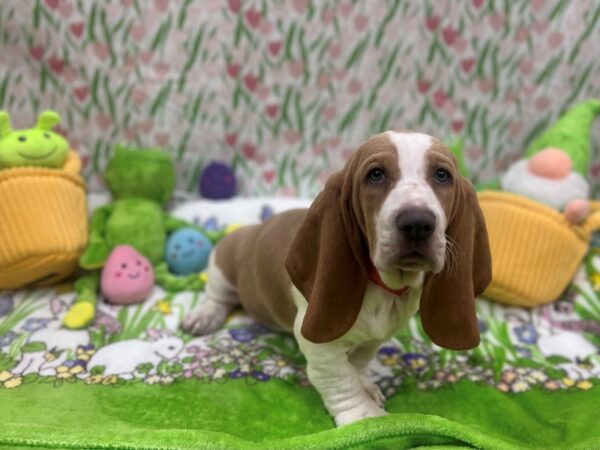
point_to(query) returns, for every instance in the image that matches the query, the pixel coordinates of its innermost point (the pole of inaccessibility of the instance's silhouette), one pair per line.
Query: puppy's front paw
(208, 318)
(373, 390)
(362, 411)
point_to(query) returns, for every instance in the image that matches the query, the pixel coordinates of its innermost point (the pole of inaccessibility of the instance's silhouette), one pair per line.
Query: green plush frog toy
(38, 146)
(141, 182)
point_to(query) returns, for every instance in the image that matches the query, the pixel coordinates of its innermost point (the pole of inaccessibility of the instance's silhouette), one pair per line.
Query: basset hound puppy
(396, 231)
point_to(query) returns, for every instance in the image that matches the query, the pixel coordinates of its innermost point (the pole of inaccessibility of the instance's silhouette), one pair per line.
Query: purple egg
(217, 181)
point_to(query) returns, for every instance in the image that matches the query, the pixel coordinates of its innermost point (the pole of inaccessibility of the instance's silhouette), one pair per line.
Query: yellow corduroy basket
(43, 223)
(535, 251)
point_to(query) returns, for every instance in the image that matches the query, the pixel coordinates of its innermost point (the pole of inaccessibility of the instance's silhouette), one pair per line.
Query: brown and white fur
(399, 209)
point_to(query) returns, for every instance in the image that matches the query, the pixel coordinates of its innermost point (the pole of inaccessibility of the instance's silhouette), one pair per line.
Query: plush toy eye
(124, 266)
(139, 263)
(22, 138)
(47, 135)
(376, 176)
(177, 247)
(191, 240)
(442, 176)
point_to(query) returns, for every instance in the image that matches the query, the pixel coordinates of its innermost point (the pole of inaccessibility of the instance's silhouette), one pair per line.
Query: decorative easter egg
(127, 277)
(187, 251)
(217, 182)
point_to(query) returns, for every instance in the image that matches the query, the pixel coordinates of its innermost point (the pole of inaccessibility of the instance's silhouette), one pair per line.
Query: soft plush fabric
(187, 251)
(571, 134)
(532, 383)
(127, 276)
(43, 223)
(39, 146)
(535, 250)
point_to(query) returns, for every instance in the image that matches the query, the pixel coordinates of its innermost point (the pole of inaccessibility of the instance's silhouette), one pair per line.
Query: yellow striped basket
(43, 223)
(535, 251)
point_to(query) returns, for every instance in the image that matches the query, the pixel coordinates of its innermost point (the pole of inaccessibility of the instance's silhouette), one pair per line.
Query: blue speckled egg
(187, 251)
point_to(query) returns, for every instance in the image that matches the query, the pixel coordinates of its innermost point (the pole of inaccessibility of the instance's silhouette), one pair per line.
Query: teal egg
(187, 251)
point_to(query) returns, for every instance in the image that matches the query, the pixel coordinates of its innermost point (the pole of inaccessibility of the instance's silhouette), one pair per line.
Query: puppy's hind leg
(221, 299)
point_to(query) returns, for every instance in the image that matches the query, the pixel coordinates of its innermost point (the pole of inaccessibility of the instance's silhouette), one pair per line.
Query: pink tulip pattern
(283, 90)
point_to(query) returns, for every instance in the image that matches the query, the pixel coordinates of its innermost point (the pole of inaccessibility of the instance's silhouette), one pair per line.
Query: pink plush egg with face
(127, 277)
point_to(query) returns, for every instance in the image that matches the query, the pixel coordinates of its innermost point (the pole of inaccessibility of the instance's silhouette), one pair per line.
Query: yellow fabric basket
(535, 251)
(43, 223)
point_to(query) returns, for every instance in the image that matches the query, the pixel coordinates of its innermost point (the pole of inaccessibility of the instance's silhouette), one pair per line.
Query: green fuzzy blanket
(134, 380)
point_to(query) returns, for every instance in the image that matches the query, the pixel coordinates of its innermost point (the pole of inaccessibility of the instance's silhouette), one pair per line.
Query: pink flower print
(522, 34)
(467, 64)
(329, 112)
(103, 121)
(478, 3)
(56, 64)
(145, 56)
(161, 5)
(439, 98)
(76, 29)
(253, 17)
(497, 21)
(449, 35)
(251, 82)
(354, 86)
(161, 69)
(52, 4)
(137, 32)
(138, 95)
(161, 139)
(543, 103)
(291, 136)
(432, 22)
(526, 66)
(457, 125)
(36, 52)
(265, 27)
(423, 86)
(231, 139)
(66, 9)
(235, 5)
(272, 110)
(146, 126)
(81, 92)
(360, 22)
(296, 68)
(300, 5)
(101, 50)
(486, 85)
(335, 49)
(537, 5)
(249, 150)
(328, 16)
(269, 175)
(274, 47)
(540, 26)
(233, 70)
(345, 8)
(555, 39)
(323, 81)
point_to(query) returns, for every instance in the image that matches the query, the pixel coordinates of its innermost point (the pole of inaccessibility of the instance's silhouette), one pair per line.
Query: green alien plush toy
(141, 182)
(38, 146)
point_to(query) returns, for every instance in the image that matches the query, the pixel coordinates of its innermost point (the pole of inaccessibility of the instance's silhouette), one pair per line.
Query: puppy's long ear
(326, 262)
(448, 300)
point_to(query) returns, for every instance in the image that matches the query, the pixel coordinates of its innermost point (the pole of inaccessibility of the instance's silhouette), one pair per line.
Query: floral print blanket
(552, 348)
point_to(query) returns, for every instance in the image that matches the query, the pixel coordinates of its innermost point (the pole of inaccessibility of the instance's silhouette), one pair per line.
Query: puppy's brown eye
(442, 176)
(376, 176)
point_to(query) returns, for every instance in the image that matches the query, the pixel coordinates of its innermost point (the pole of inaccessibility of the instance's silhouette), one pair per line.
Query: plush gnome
(556, 164)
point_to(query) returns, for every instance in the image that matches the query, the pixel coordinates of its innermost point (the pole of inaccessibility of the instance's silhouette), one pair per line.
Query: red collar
(375, 278)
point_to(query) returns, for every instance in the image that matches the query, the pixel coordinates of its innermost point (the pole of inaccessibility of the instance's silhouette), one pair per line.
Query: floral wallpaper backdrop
(284, 90)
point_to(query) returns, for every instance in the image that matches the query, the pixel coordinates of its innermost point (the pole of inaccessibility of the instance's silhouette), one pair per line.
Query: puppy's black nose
(416, 224)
